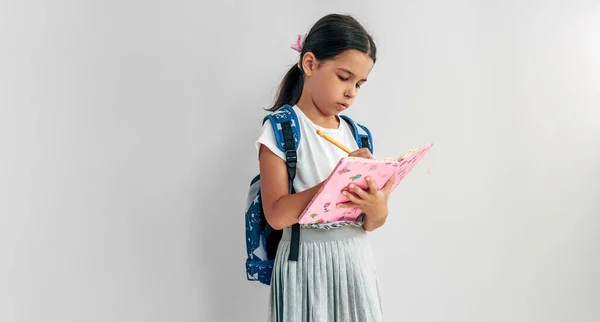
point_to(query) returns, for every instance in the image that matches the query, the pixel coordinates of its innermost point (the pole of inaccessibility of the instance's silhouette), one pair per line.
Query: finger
(388, 185)
(352, 198)
(362, 153)
(372, 185)
(357, 153)
(359, 192)
(361, 150)
(347, 205)
(365, 153)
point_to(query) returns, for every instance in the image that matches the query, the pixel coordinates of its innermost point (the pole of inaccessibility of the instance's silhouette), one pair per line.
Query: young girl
(334, 278)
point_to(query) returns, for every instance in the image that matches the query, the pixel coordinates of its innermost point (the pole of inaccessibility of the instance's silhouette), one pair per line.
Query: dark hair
(329, 37)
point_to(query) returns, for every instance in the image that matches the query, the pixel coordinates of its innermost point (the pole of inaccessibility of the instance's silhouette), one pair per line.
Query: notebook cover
(323, 207)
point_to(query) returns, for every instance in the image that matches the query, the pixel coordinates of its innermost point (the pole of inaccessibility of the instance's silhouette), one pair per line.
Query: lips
(344, 105)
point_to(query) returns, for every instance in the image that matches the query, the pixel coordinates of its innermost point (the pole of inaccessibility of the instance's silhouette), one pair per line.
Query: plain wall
(127, 134)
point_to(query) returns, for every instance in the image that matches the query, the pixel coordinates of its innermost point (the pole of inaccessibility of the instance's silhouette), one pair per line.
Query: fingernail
(351, 186)
(368, 178)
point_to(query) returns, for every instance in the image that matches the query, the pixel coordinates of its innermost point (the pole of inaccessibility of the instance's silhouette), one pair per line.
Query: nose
(351, 92)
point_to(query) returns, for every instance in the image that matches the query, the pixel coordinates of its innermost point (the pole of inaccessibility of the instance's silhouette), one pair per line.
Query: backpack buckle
(291, 157)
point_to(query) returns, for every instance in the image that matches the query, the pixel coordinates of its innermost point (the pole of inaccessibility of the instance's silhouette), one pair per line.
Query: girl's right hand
(362, 153)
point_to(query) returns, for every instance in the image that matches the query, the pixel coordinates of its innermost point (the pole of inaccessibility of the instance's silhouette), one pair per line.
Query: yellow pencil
(334, 142)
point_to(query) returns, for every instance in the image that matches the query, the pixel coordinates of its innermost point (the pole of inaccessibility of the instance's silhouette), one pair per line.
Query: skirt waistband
(311, 234)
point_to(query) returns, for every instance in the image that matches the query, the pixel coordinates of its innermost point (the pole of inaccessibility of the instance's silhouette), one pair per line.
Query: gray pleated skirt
(334, 278)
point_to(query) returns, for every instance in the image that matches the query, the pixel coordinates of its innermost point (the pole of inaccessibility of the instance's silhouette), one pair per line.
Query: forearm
(287, 209)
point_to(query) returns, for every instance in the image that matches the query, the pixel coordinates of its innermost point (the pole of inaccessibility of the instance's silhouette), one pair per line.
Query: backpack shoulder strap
(362, 135)
(287, 134)
(283, 115)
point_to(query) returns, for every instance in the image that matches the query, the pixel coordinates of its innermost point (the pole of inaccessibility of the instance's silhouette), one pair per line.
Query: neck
(308, 107)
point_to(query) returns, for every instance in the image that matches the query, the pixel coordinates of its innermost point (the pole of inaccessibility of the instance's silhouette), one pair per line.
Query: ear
(309, 63)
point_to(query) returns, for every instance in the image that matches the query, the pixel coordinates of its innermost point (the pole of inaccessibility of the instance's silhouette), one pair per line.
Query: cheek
(333, 88)
(330, 93)
(326, 90)
(323, 89)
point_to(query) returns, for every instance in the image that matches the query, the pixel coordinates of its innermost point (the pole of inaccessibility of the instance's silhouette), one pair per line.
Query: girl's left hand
(374, 203)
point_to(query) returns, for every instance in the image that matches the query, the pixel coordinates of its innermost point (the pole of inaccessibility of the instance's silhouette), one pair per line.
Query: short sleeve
(267, 138)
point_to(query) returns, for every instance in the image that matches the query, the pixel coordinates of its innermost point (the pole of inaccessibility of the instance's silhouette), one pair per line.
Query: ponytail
(290, 88)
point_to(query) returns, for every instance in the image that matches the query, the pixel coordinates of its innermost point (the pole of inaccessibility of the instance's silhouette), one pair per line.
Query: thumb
(389, 184)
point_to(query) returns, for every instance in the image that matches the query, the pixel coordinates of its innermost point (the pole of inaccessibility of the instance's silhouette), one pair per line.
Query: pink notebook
(323, 207)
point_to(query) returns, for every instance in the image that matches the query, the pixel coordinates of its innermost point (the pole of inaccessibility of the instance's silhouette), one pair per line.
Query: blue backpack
(261, 239)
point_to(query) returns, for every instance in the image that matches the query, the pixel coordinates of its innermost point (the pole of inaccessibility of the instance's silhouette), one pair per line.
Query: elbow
(277, 226)
(274, 221)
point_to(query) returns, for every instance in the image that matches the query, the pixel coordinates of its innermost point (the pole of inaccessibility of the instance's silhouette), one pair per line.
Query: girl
(334, 278)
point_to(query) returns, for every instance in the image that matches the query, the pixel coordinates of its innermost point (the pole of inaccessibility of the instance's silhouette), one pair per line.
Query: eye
(358, 85)
(342, 78)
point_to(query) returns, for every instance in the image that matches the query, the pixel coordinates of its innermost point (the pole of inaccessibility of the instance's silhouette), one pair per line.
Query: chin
(333, 109)
(337, 111)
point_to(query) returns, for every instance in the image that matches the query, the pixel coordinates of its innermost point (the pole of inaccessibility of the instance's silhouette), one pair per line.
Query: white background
(127, 135)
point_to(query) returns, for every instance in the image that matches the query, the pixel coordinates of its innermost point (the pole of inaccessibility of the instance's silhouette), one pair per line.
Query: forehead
(359, 63)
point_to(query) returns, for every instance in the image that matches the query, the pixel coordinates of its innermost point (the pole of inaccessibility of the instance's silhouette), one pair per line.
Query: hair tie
(299, 43)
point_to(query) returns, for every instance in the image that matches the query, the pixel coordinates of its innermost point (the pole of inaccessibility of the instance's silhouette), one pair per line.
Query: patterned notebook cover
(323, 207)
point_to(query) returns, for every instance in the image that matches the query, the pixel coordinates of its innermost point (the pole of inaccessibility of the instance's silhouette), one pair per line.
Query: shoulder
(284, 122)
(283, 114)
(273, 127)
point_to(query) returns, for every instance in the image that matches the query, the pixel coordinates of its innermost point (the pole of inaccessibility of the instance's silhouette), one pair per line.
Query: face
(334, 84)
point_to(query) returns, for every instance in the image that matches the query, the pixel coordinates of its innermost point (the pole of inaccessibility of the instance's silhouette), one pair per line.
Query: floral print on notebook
(322, 211)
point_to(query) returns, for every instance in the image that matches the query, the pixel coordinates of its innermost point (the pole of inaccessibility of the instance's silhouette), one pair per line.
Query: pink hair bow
(299, 43)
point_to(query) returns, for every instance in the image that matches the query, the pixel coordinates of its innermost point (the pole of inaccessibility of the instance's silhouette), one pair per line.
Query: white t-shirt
(316, 156)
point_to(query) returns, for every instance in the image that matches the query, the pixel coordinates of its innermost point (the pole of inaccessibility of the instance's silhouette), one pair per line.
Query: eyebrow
(351, 73)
